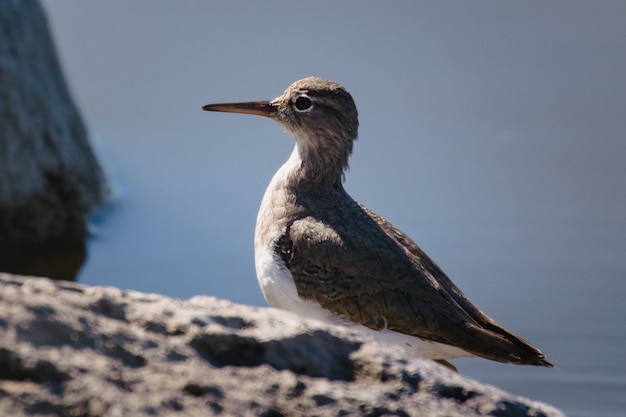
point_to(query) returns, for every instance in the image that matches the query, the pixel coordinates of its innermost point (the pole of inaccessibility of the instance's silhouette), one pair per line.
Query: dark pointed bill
(259, 108)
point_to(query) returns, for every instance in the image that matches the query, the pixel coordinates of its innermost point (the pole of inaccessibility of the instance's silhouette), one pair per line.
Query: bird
(322, 255)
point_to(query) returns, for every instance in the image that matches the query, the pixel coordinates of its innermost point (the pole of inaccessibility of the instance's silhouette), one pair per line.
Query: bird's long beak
(260, 108)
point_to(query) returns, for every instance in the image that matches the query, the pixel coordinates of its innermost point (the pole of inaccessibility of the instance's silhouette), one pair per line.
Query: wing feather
(387, 281)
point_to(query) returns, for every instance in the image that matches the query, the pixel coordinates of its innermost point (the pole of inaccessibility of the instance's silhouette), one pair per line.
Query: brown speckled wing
(359, 266)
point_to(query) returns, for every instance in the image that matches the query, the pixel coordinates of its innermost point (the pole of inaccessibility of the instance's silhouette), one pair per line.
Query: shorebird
(321, 254)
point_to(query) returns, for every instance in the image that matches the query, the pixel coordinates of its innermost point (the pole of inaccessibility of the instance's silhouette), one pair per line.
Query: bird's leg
(447, 365)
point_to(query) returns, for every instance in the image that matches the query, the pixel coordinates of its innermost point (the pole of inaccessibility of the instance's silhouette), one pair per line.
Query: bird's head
(319, 114)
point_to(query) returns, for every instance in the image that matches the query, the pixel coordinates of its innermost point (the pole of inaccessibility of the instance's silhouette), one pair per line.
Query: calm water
(492, 134)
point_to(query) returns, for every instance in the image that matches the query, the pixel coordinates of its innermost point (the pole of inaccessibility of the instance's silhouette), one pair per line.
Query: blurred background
(493, 133)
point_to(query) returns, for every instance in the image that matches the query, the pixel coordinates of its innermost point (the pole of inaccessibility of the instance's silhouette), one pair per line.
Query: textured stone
(71, 350)
(50, 180)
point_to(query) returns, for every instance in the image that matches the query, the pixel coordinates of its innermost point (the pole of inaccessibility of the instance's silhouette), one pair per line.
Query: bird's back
(357, 265)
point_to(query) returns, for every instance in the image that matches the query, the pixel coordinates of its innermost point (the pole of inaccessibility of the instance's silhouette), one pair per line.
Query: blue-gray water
(492, 133)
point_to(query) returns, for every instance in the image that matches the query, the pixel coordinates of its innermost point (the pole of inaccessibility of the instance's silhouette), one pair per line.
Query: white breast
(274, 277)
(278, 286)
(280, 291)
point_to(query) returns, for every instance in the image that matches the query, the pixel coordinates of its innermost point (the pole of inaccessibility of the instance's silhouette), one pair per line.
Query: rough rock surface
(50, 180)
(72, 350)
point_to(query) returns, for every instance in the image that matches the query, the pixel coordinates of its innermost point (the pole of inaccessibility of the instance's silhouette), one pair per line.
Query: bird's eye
(303, 103)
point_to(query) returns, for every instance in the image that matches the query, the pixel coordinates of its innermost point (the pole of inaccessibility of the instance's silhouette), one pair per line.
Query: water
(493, 134)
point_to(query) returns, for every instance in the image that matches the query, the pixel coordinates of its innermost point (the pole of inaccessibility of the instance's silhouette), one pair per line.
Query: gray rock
(50, 180)
(71, 350)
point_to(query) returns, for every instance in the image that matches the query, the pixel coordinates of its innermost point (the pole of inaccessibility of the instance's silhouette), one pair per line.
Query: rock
(50, 179)
(71, 350)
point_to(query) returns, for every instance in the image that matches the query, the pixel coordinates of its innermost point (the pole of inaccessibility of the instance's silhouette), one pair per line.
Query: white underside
(280, 291)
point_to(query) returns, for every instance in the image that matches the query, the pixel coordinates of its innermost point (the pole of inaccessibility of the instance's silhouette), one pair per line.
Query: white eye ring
(303, 103)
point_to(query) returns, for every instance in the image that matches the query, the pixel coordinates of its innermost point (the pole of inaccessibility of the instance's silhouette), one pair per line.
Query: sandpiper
(322, 255)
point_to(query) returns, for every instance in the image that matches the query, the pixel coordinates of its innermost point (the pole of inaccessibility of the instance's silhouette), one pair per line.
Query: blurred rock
(50, 180)
(71, 350)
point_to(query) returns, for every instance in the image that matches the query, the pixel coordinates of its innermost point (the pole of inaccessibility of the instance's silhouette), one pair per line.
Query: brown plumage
(342, 257)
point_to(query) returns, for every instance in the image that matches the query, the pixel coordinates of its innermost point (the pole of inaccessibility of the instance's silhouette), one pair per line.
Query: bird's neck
(315, 171)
